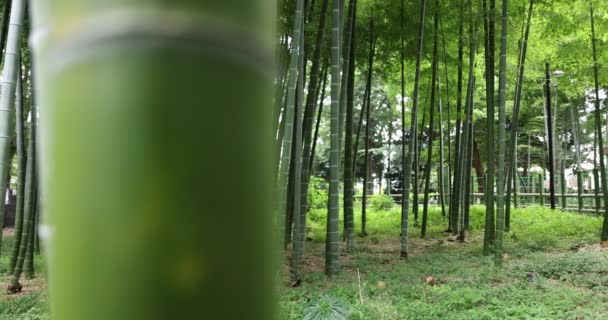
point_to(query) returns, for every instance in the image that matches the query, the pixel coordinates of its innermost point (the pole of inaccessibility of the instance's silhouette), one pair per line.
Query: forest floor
(31, 303)
(553, 269)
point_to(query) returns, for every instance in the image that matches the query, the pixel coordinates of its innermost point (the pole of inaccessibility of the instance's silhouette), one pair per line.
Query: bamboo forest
(303, 159)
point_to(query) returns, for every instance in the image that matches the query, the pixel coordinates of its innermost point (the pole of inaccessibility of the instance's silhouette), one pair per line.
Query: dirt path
(7, 232)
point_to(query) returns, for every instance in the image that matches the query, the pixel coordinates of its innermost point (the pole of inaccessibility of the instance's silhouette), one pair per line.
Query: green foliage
(326, 308)
(317, 193)
(381, 202)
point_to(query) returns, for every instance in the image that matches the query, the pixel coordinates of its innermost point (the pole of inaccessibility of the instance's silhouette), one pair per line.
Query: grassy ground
(553, 270)
(31, 303)
(557, 250)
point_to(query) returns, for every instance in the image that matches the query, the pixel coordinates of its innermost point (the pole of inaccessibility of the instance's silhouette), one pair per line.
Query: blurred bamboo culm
(139, 219)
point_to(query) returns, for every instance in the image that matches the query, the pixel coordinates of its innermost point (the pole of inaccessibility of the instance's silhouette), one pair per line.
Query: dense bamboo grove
(382, 56)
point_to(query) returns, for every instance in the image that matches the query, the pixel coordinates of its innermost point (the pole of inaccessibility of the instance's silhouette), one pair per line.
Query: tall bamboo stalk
(512, 150)
(579, 169)
(467, 141)
(600, 139)
(10, 74)
(124, 221)
(309, 116)
(332, 245)
(489, 233)
(299, 213)
(455, 194)
(372, 50)
(429, 159)
(404, 212)
(502, 100)
(407, 160)
(549, 126)
(289, 114)
(29, 208)
(349, 216)
(21, 163)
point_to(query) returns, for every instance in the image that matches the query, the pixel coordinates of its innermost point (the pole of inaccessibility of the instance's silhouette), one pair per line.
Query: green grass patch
(553, 270)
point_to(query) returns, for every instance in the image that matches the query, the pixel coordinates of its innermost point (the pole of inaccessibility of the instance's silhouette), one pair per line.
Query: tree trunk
(21, 163)
(126, 218)
(10, 74)
(332, 247)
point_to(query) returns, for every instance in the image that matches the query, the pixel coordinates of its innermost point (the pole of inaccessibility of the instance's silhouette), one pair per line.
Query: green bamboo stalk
(408, 159)
(372, 50)
(502, 100)
(541, 182)
(466, 184)
(28, 210)
(600, 140)
(512, 150)
(332, 246)
(440, 168)
(309, 115)
(455, 194)
(345, 64)
(366, 97)
(489, 233)
(6, 10)
(550, 138)
(596, 174)
(448, 181)
(289, 119)
(10, 74)
(349, 216)
(124, 220)
(20, 174)
(319, 114)
(579, 168)
(28, 264)
(429, 159)
(404, 209)
(298, 216)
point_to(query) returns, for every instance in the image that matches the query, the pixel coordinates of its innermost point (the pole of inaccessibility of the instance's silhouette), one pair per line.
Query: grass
(31, 303)
(553, 270)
